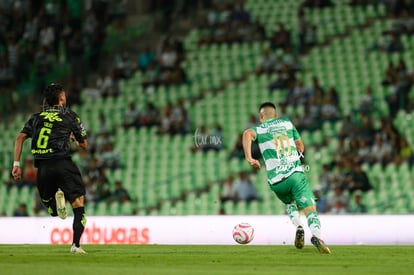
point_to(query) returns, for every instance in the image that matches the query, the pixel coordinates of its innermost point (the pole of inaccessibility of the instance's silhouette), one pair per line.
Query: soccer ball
(243, 233)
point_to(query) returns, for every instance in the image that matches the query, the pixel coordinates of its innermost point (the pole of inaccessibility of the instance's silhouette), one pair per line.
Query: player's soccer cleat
(300, 237)
(77, 250)
(61, 204)
(320, 245)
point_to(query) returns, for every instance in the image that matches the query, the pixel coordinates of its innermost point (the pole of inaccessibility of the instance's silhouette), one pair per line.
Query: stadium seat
(241, 208)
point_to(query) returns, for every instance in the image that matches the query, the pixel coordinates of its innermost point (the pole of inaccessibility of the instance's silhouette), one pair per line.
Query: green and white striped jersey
(276, 139)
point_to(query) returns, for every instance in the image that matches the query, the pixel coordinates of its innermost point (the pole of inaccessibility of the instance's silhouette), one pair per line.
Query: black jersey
(50, 131)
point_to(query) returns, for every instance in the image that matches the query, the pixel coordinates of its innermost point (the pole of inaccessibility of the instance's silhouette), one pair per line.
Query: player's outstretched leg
(315, 227)
(61, 204)
(300, 237)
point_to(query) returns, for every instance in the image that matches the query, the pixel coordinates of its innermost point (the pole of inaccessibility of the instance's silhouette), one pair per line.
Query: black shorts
(59, 173)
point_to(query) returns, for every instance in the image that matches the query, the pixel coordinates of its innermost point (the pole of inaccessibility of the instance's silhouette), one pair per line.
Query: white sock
(314, 223)
(293, 214)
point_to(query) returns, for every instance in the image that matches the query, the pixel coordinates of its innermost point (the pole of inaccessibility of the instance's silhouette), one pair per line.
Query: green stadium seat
(400, 206)
(178, 209)
(253, 208)
(411, 203)
(241, 208)
(101, 209)
(154, 212)
(369, 198)
(166, 207)
(229, 208)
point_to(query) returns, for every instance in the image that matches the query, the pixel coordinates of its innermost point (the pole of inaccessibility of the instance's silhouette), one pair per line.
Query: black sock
(50, 205)
(79, 222)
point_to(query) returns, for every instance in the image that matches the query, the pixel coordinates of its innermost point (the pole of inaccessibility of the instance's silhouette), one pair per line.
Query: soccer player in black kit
(58, 177)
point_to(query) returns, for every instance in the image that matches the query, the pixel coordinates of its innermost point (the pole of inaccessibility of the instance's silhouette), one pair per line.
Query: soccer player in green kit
(281, 148)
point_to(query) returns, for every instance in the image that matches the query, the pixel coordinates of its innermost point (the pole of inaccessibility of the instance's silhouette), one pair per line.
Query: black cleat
(300, 237)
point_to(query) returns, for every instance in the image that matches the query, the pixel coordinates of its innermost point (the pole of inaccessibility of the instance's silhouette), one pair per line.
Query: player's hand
(254, 163)
(17, 172)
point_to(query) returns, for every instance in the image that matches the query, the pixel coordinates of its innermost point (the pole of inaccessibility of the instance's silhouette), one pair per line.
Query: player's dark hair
(267, 104)
(51, 93)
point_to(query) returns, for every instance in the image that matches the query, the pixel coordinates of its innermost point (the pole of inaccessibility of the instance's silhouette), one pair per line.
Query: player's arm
(300, 146)
(18, 145)
(248, 137)
(83, 144)
(79, 133)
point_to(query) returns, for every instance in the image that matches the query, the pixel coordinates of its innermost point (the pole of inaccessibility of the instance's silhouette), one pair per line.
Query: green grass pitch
(205, 259)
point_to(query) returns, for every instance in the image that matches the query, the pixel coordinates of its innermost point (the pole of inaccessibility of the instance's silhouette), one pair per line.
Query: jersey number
(282, 145)
(43, 138)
